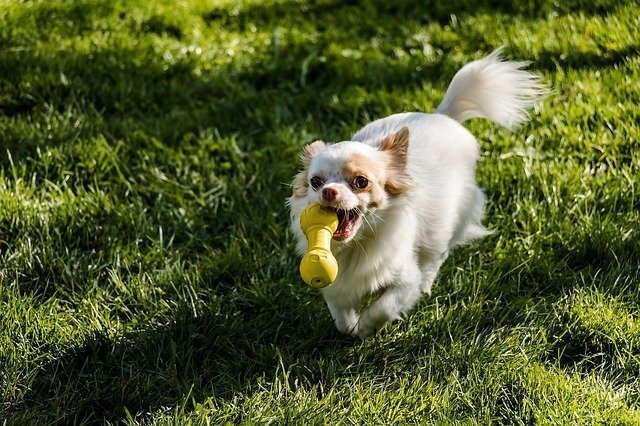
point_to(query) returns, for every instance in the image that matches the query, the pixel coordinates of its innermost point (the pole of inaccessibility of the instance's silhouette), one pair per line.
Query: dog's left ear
(396, 146)
(310, 151)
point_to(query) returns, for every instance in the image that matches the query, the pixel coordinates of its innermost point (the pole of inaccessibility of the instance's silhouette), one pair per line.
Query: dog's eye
(360, 182)
(316, 182)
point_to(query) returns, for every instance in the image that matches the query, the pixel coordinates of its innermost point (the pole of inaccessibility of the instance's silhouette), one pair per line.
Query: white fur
(491, 88)
(399, 248)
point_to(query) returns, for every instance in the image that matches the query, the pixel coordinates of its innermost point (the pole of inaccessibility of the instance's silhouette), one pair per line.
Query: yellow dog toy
(318, 266)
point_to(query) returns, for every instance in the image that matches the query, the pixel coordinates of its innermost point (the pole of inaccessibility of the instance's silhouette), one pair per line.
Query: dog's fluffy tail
(501, 91)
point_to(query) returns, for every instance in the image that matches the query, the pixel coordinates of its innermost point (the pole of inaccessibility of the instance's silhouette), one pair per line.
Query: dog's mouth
(347, 220)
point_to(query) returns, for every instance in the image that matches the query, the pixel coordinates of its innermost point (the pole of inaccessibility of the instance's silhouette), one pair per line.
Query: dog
(405, 193)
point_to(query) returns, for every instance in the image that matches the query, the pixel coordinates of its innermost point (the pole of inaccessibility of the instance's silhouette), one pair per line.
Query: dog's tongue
(346, 219)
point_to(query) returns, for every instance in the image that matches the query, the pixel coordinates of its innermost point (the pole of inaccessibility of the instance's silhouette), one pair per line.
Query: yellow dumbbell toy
(318, 266)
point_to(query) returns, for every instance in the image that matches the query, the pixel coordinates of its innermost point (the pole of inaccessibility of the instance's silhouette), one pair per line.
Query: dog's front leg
(430, 269)
(395, 301)
(344, 314)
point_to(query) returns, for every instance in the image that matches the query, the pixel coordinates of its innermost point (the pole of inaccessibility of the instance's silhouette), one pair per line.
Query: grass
(147, 273)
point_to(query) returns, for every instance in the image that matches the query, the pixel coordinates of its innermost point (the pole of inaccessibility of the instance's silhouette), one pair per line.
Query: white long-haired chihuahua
(405, 192)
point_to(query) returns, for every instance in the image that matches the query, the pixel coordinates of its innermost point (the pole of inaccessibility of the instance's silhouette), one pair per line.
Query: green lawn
(147, 272)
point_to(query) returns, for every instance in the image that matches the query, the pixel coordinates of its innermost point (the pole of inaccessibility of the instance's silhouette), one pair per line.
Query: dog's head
(355, 179)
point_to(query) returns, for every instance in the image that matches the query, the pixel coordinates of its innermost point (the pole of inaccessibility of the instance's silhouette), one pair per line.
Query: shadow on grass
(379, 11)
(220, 354)
(552, 60)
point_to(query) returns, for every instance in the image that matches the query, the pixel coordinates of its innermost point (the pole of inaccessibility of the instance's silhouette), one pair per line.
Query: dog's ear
(301, 181)
(310, 151)
(396, 145)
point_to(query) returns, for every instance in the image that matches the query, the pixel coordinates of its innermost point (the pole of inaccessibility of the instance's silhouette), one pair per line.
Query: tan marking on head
(363, 165)
(372, 169)
(396, 146)
(301, 180)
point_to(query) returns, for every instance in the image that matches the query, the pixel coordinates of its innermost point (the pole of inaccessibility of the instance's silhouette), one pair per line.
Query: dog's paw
(369, 324)
(425, 287)
(365, 332)
(374, 320)
(348, 325)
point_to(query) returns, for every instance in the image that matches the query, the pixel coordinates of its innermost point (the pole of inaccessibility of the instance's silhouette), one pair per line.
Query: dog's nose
(329, 194)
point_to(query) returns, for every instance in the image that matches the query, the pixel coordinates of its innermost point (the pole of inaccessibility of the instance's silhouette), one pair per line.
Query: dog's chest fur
(377, 258)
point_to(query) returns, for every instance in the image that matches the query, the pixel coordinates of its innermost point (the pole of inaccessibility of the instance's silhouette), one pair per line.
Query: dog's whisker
(370, 226)
(377, 217)
(363, 249)
(364, 218)
(374, 231)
